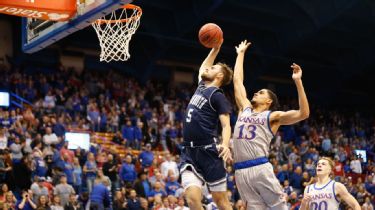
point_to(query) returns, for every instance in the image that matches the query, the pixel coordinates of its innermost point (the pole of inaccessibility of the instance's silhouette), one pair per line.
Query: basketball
(210, 35)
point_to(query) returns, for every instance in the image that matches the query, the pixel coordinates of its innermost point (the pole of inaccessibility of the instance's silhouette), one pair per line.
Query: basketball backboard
(38, 34)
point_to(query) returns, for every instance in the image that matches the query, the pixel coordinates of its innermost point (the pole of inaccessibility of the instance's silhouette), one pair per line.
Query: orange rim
(127, 6)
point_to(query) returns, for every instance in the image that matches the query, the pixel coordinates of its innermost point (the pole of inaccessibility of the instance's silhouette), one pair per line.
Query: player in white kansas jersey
(326, 194)
(255, 127)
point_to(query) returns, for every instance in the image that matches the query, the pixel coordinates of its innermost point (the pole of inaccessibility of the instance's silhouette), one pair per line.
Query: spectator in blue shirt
(326, 145)
(173, 133)
(283, 174)
(146, 157)
(99, 197)
(68, 169)
(342, 154)
(310, 154)
(58, 127)
(77, 175)
(58, 161)
(172, 185)
(93, 116)
(157, 191)
(128, 133)
(90, 169)
(296, 180)
(369, 185)
(347, 167)
(138, 135)
(40, 166)
(26, 203)
(127, 171)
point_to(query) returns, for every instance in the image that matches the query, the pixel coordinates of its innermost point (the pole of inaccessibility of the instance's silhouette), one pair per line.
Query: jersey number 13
(247, 133)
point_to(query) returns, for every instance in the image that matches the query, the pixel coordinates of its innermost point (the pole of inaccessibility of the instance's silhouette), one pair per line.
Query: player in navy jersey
(202, 158)
(326, 194)
(255, 127)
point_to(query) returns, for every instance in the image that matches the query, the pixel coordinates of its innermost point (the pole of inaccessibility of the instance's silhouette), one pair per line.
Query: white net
(114, 33)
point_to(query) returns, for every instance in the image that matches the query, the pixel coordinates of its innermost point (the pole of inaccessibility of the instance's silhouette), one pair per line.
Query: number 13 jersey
(252, 135)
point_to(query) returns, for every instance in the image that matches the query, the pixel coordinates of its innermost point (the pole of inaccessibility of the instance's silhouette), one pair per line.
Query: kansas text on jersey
(323, 198)
(252, 135)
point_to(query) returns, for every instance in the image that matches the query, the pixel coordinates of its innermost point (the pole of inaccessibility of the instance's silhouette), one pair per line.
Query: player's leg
(215, 175)
(221, 197)
(269, 188)
(191, 179)
(193, 189)
(248, 193)
(193, 195)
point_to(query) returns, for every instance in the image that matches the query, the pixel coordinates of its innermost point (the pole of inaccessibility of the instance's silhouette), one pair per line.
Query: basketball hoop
(115, 33)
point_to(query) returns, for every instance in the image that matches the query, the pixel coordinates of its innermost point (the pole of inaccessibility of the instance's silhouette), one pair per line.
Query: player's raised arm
(294, 116)
(209, 61)
(239, 89)
(346, 196)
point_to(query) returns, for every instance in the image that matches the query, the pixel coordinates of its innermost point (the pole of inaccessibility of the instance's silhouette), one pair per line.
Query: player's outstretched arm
(239, 89)
(341, 190)
(294, 116)
(209, 61)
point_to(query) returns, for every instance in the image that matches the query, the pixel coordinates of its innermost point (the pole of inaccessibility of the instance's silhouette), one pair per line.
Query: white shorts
(189, 178)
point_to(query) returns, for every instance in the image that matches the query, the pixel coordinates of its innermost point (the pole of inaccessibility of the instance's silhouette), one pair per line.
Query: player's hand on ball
(219, 44)
(241, 48)
(225, 153)
(297, 71)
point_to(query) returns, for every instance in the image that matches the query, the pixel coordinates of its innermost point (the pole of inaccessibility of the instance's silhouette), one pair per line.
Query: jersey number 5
(250, 132)
(188, 117)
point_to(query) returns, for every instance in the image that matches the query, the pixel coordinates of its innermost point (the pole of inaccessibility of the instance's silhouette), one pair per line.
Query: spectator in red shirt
(69, 153)
(338, 169)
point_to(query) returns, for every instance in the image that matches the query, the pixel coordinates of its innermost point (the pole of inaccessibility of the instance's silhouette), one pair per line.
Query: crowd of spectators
(38, 171)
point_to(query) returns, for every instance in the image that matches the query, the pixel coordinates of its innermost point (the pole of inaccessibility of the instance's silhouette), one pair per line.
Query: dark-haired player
(255, 127)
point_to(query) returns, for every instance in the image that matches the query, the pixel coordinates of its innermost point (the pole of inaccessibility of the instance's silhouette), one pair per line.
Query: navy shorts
(204, 162)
